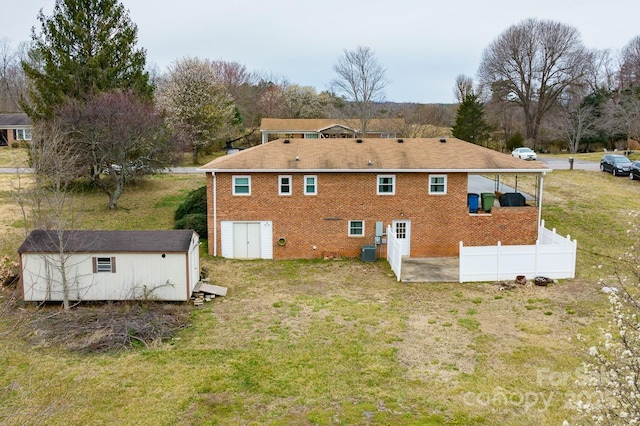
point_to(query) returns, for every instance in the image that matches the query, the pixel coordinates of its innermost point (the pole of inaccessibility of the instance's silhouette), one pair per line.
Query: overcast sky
(423, 44)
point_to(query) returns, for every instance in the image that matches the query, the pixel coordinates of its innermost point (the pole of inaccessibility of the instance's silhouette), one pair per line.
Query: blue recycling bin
(473, 201)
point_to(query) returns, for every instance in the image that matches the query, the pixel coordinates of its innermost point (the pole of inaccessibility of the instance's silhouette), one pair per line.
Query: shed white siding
(169, 276)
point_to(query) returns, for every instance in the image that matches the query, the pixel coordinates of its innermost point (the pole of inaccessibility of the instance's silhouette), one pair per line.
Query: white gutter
(472, 171)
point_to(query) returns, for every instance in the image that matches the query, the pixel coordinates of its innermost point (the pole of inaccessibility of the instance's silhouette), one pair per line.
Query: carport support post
(542, 175)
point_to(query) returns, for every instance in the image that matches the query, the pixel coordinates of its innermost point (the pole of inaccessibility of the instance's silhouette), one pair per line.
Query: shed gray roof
(41, 241)
(11, 120)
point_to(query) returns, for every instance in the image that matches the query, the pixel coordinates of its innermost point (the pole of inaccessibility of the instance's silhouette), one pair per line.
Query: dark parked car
(635, 170)
(616, 164)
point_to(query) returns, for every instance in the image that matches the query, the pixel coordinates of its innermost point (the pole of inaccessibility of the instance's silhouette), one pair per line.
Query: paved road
(179, 170)
(563, 164)
(553, 163)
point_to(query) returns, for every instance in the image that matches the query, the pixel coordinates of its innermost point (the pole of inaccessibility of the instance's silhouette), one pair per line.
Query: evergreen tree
(84, 48)
(470, 125)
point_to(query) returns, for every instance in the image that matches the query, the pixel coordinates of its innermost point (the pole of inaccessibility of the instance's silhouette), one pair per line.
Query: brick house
(292, 198)
(14, 127)
(322, 128)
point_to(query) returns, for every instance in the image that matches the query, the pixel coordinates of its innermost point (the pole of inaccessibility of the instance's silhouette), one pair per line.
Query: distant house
(110, 265)
(15, 127)
(315, 128)
(291, 198)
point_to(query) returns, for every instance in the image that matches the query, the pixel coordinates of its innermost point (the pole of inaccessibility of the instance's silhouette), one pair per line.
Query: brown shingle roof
(175, 241)
(316, 124)
(384, 154)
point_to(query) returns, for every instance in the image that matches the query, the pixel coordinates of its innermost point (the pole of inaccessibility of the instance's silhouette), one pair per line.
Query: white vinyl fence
(553, 256)
(394, 252)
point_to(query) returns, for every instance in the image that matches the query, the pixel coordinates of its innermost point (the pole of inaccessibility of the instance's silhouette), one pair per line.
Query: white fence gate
(552, 256)
(394, 252)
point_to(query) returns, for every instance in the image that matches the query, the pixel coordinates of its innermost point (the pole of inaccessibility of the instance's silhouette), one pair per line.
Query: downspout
(215, 215)
(540, 204)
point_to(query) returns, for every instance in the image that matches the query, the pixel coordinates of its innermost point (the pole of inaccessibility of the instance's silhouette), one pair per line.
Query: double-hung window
(284, 185)
(438, 184)
(310, 185)
(356, 228)
(386, 185)
(241, 185)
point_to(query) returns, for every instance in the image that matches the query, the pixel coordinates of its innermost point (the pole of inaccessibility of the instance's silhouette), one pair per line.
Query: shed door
(402, 228)
(246, 240)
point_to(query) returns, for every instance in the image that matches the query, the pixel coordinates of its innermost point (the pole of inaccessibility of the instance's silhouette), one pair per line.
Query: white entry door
(246, 240)
(402, 228)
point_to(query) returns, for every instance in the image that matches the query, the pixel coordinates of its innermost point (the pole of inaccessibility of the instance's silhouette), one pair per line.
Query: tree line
(539, 85)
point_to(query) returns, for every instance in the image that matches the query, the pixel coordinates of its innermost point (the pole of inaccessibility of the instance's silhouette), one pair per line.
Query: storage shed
(109, 265)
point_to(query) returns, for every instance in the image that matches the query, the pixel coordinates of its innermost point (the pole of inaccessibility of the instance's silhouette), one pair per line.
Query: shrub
(515, 141)
(195, 203)
(195, 221)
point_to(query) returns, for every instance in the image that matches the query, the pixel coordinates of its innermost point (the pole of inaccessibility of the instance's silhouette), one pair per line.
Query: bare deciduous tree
(572, 121)
(12, 79)
(535, 62)
(463, 88)
(49, 203)
(362, 79)
(117, 138)
(629, 75)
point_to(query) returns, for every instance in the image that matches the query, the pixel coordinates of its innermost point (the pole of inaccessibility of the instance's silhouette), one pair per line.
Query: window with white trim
(284, 185)
(310, 185)
(356, 228)
(386, 185)
(104, 264)
(241, 185)
(22, 134)
(438, 184)
(311, 136)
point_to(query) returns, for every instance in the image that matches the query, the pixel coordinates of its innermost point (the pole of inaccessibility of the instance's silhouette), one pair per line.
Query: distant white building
(110, 265)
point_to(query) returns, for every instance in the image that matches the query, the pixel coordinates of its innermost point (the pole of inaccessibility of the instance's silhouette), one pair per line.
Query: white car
(524, 153)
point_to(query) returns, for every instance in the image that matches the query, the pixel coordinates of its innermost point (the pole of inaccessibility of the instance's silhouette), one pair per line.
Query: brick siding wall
(438, 222)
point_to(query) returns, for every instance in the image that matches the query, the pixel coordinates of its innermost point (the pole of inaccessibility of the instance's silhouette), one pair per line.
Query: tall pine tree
(84, 48)
(470, 125)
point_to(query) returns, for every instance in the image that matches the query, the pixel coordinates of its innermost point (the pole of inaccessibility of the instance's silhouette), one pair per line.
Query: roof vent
(287, 141)
(443, 140)
(400, 140)
(358, 140)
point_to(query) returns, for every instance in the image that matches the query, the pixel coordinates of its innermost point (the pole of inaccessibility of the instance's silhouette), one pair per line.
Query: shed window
(437, 184)
(104, 264)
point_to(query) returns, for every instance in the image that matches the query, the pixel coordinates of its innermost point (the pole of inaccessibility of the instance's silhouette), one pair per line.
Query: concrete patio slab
(429, 270)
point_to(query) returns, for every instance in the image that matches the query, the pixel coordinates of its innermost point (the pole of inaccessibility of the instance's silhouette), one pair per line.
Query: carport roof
(372, 155)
